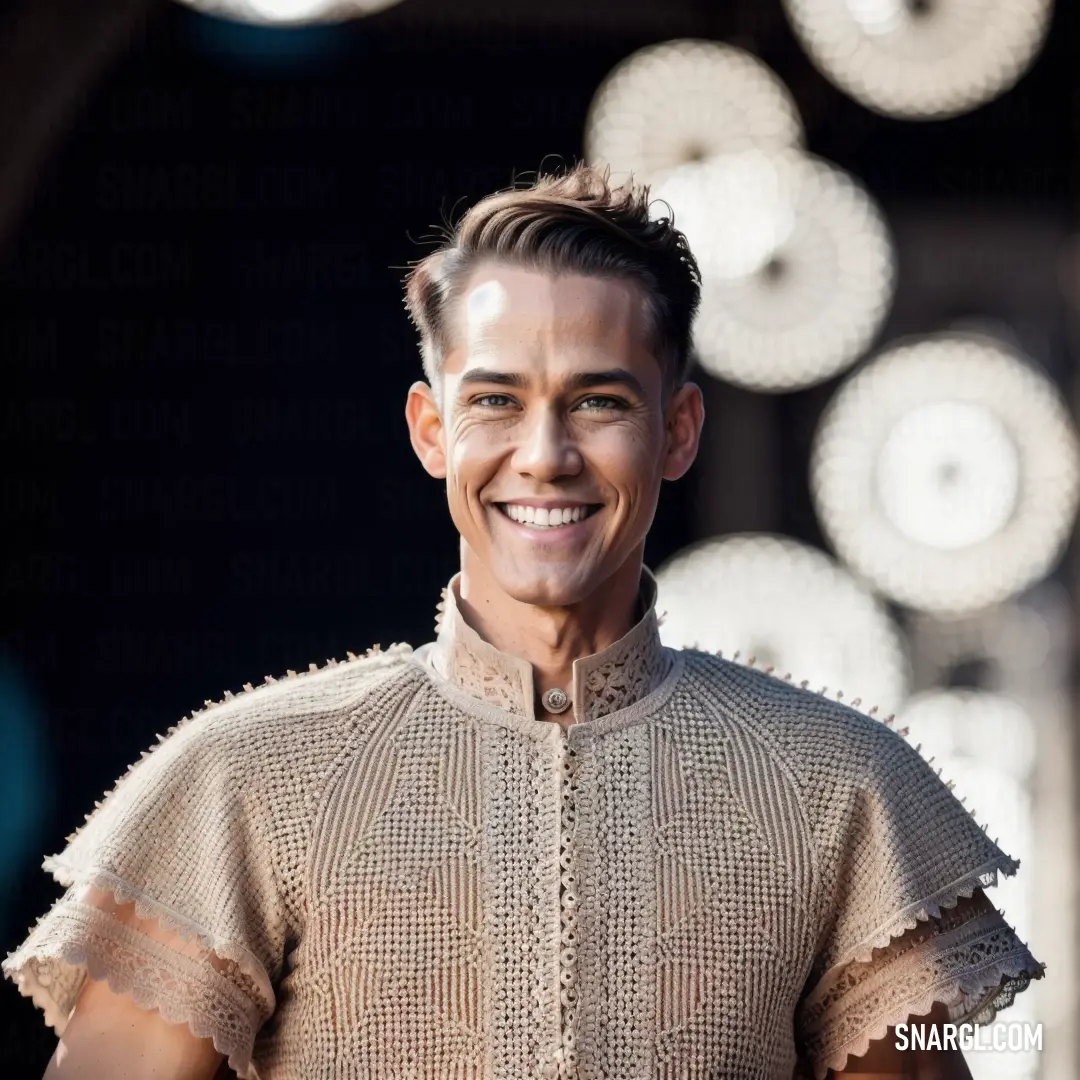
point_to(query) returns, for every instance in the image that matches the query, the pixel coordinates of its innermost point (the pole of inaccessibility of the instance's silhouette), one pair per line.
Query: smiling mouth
(556, 517)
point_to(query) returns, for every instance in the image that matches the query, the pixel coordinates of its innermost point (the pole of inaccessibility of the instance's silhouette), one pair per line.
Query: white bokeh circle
(938, 455)
(790, 607)
(946, 473)
(921, 60)
(797, 265)
(686, 100)
(289, 12)
(737, 210)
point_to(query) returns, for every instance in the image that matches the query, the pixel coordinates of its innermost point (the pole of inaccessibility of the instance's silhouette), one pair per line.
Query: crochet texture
(368, 871)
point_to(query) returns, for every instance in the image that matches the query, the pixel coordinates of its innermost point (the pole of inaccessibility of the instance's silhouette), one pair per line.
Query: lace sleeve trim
(212, 995)
(931, 907)
(969, 958)
(148, 908)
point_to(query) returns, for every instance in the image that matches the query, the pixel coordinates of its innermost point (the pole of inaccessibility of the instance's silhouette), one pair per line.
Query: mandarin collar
(603, 682)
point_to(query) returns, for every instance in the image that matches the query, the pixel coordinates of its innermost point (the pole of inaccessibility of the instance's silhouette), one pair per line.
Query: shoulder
(278, 726)
(815, 735)
(236, 785)
(264, 746)
(284, 703)
(856, 778)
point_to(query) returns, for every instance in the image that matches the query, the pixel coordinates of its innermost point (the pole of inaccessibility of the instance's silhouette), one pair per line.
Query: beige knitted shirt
(390, 869)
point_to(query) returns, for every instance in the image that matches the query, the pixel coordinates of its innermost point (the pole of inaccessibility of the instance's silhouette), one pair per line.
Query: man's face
(553, 433)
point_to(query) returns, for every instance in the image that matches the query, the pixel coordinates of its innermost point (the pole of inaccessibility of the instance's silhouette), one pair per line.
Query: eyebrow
(486, 375)
(581, 381)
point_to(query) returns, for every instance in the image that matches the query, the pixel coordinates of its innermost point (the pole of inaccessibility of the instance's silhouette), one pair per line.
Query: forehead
(522, 315)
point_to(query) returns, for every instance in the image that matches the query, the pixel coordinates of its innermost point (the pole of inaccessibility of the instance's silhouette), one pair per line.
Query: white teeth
(541, 518)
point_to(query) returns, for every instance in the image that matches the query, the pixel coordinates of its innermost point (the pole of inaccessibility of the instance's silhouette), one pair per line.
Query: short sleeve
(171, 897)
(903, 921)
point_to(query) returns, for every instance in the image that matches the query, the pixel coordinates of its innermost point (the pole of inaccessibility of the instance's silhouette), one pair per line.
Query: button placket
(565, 1057)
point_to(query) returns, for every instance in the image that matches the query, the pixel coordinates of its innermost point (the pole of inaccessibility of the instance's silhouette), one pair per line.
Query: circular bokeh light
(941, 455)
(790, 607)
(683, 101)
(797, 265)
(946, 472)
(289, 12)
(921, 59)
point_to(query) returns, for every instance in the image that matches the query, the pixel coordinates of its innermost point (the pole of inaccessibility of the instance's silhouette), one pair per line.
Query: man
(542, 845)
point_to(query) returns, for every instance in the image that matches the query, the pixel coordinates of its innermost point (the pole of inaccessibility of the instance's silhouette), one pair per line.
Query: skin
(109, 1037)
(549, 394)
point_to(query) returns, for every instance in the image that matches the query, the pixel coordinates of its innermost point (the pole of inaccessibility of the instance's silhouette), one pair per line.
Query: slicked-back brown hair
(573, 223)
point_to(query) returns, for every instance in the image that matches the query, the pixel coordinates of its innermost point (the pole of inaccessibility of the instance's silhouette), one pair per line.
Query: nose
(547, 450)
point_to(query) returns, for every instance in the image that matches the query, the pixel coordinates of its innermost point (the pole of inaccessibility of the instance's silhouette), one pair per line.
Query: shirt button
(556, 700)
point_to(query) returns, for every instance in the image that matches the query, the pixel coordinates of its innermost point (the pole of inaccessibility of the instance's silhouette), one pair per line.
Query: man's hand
(884, 1062)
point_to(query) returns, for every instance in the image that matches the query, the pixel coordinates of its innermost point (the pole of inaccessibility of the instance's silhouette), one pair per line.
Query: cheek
(628, 458)
(472, 459)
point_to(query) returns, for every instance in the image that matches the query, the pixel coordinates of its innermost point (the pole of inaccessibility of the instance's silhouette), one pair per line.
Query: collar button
(556, 700)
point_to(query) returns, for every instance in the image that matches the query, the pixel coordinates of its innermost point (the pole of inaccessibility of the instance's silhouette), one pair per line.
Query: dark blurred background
(203, 231)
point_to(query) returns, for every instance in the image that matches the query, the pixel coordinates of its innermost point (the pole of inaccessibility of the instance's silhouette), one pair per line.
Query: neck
(550, 638)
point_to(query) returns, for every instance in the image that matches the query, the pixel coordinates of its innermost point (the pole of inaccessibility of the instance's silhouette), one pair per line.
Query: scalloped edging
(999, 975)
(149, 909)
(985, 877)
(23, 970)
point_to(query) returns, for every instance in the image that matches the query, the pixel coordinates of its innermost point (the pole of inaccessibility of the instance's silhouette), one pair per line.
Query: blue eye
(491, 400)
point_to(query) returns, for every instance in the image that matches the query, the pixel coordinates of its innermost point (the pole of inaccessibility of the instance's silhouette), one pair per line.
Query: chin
(548, 587)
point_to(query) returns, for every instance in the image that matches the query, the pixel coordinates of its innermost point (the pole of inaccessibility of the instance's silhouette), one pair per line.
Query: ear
(684, 417)
(426, 431)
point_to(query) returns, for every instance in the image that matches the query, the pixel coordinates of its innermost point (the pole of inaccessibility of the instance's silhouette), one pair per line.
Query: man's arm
(884, 1062)
(109, 1037)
